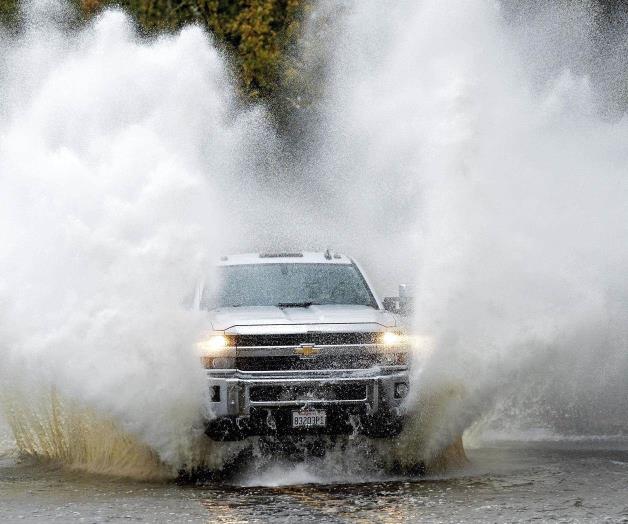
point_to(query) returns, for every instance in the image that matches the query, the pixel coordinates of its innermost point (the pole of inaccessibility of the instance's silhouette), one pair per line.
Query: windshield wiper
(296, 304)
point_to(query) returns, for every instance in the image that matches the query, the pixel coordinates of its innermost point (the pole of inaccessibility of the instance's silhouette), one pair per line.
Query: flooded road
(583, 481)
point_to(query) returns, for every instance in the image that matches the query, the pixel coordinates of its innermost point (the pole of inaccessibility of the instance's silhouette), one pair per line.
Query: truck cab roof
(254, 298)
(299, 257)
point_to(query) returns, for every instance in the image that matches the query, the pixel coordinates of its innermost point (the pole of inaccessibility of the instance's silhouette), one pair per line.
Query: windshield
(290, 285)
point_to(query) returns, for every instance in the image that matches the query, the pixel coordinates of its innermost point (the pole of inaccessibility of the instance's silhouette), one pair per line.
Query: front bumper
(251, 403)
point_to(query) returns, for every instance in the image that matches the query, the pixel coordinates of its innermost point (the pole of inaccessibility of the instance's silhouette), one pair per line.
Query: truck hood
(327, 317)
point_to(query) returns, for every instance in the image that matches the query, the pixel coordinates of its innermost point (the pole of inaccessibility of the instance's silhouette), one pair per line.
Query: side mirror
(401, 305)
(391, 304)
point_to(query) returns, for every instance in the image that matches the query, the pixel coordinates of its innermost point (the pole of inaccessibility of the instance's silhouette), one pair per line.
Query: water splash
(451, 151)
(501, 176)
(113, 154)
(49, 430)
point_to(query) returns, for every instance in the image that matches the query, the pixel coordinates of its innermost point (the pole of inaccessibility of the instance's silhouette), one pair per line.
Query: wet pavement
(514, 482)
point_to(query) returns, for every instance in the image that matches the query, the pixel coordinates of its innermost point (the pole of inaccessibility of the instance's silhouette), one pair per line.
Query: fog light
(222, 363)
(401, 389)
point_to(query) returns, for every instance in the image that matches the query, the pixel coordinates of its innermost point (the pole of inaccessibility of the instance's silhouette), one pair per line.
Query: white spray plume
(113, 150)
(450, 149)
(497, 179)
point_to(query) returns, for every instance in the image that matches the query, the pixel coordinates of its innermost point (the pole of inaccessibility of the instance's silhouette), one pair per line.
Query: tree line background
(256, 34)
(260, 36)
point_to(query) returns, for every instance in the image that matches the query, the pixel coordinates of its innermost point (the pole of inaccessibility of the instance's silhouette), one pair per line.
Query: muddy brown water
(584, 481)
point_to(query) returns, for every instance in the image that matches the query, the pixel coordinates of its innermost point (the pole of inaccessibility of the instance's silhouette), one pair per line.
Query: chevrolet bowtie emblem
(306, 351)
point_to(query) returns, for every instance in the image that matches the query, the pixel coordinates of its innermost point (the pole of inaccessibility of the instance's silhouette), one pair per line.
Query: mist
(493, 175)
(449, 149)
(113, 154)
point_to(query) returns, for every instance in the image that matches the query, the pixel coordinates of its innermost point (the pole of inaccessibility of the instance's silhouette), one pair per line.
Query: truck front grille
(314, 338)
(295, 363)
(307, 392)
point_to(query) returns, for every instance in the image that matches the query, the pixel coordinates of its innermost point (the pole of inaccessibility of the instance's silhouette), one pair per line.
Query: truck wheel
(224, 429)
(399, 459)
(383, 427)
(218, 461)
(451, 457)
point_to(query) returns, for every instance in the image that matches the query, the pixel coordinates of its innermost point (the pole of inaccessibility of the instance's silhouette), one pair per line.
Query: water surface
(585, 481)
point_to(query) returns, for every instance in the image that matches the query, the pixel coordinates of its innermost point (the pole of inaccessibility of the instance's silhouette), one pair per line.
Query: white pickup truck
(301, 344)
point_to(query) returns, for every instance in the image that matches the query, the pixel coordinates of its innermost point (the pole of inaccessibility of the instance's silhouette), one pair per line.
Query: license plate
(309, 418)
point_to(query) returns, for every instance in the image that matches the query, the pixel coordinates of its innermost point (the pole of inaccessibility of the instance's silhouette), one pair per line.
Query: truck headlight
(214, 344)
(390, 338)
(217, 351)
